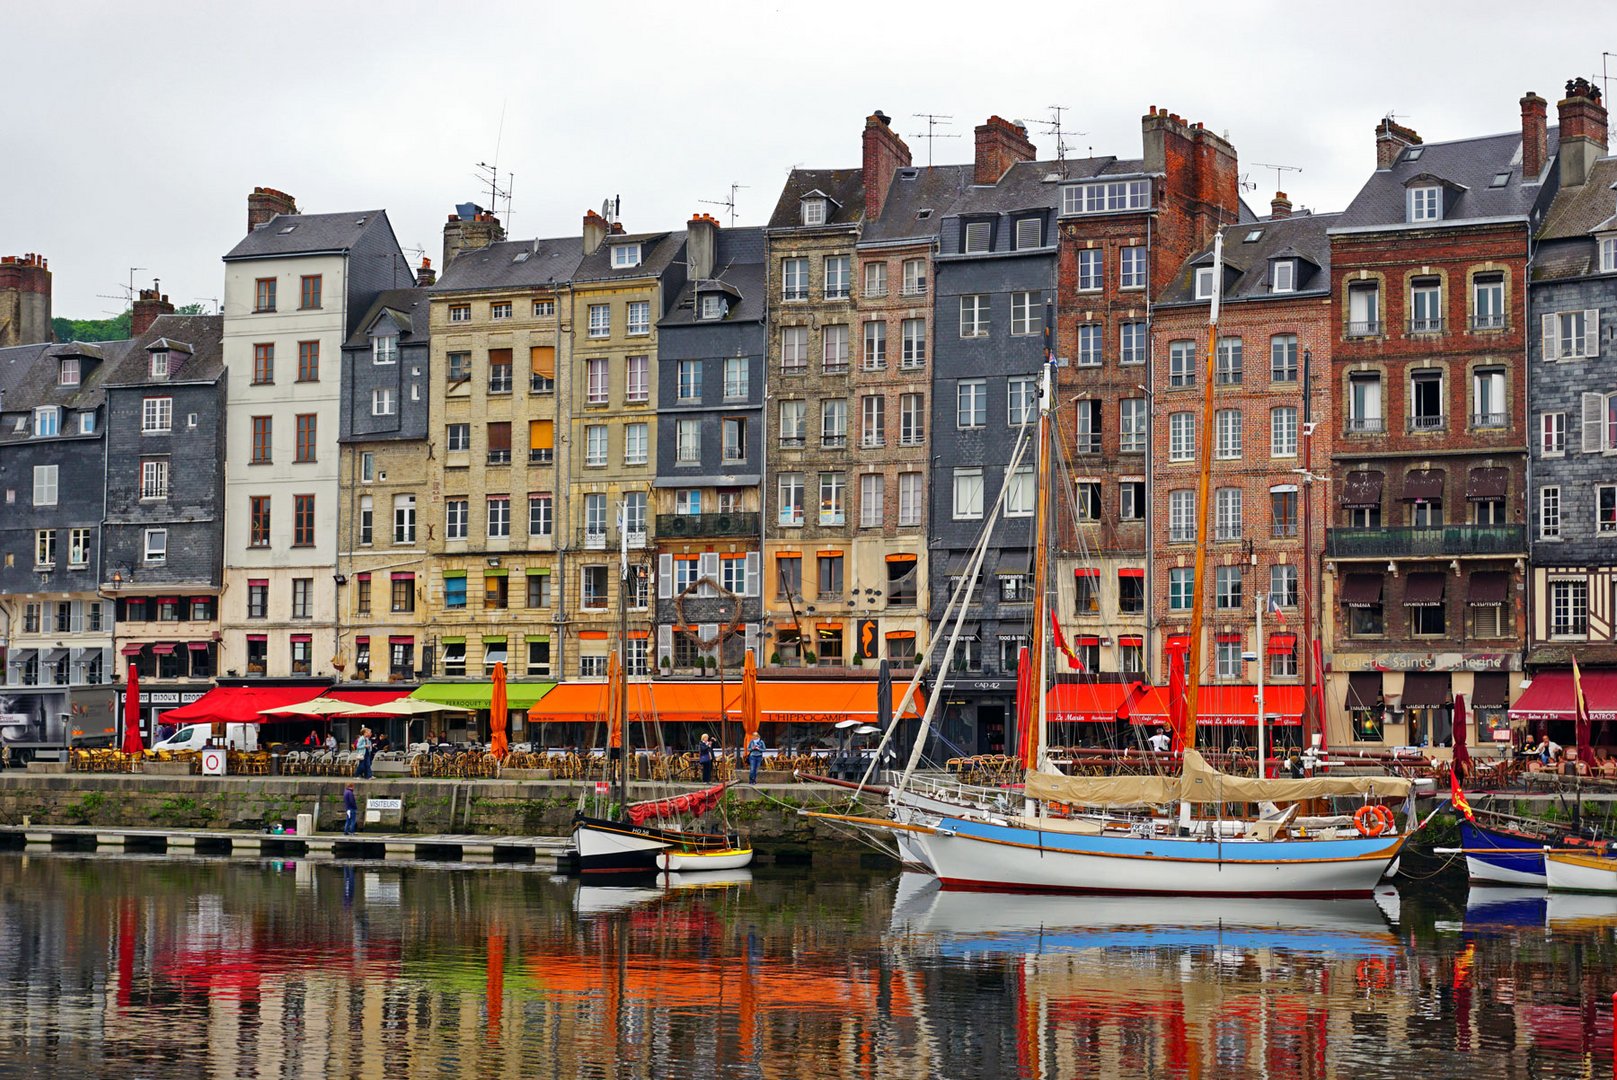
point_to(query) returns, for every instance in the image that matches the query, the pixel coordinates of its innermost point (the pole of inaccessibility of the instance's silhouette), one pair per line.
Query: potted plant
(809, 658)
(774, 659)
(667, 666)
(858, 661)
(712, 664)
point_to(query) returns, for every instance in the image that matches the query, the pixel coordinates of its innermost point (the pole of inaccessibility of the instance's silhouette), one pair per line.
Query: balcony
(1364, 328)
(1440, 540)
(741, 523)
(1426, 326)
(1488, 322)
(541, 456)
(1489, 420)
(1428, 423)
(914, 288)
(608, 540)
(1366, 425)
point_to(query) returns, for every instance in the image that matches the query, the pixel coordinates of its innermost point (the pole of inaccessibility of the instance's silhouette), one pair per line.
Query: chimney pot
(1280, 206)
(265, 203)
(1583, 131)
(1000, 144)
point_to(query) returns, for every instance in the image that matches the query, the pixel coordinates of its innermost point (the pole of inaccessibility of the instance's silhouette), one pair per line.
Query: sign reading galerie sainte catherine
(1446, 661)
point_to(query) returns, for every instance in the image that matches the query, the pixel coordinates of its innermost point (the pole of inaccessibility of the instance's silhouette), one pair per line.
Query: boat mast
(1204, 509)
(1263, 658)
(1041, 563)
(619, 697)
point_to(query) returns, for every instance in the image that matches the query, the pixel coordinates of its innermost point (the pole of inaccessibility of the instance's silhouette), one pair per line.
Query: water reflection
(213, 967)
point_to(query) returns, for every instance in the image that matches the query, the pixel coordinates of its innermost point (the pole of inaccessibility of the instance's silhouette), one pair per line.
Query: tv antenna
(1053, 126)
(1246, 183)
(728, 204)
(932, 124)
(214, 300)
(128, 296)
(488, 172)
(1605, 79)
(1279, 170)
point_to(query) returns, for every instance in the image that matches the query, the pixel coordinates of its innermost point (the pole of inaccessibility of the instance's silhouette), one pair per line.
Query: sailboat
(1058, 835)
(632, 842)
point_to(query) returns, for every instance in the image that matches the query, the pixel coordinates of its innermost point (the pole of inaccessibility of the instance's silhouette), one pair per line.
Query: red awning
(698, 702)
(1549, 696)
(132, 649)
(238, 704)
(1131, 571)
(1282, 644)
(197, 646)
(1089, 703)
(1229, 706)
(164, 648)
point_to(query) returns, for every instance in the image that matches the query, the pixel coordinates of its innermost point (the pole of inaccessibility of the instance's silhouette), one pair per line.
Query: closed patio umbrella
(499, 744)
(749, 697)
(132, 741)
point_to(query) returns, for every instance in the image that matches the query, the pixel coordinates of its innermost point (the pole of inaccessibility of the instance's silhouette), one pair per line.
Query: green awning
(479, 695)
(453, 640)
(538, 571)
(454, 573)
(537, 637)
(500, 572)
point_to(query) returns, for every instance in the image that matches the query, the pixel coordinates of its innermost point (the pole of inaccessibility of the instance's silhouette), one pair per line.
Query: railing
(607, 540)
(910, 363)
(499, 457)
(541, 456)
(834, 442)
(1366, 425)
(872, 442)
(835, 367)
(1437, 540)
(1427, 423)
(872, 364)
(1227, 378)
(1488, 322)
(875, 294)
(791, 442)
(1426, 326)
(1489, 420)
(741, 523)
(1364, 328)
(914, 288)
(793, 367)
(540, 384)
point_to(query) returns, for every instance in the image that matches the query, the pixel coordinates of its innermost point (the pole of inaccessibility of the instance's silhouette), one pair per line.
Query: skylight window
(922, 215)
(288, 229)
(1499, 179)
(1253, 236)
(1414, 153)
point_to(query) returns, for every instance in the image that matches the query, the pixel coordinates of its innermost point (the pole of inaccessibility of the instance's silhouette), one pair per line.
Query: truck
(242, 737)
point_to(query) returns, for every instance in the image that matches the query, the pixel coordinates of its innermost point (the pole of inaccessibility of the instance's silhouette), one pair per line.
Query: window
(1091, 344)
(834, 349)
(968, 494)
(1182, 517)
(830, 576)
(1283, 358)
(909, 499)
(456, 515)
(788, 575)
(1488, 302)
(911, 419)
(460, 366)
(593, 596)
(636, 444)
(305, 444)
(1425, 306)
(974, 315)
(1283, 511)
(45, 547)
(1204, 283)
(499, 371)
(1364, 403)
(403, 593)
(309, 292)
(624, 256)
(1181, 363)
(309, 357)
(1227, 368)
(404, 519)
(382, 401)
(793, 422)
(1599, 422)
(67, 371)
(258, 599)
(600, 320)
(1283, 275)
(158, 364)
(460, 313)
(1227, 426)
(367, 467)
(156, 415)
(1026, 316)
(1088, 423)
(595, 520)
(734, 432)
(875, 279)
(639, 321)
(595, 445)
(1364, 310)
(875, 345)
(833, 423)
(1131, 500)
(303, 521)
(636, 383)
(458, 437)
(263, 364)
(262, 428)
(1569, 608)
(543, 309)
(913, 332)
(1022, 400)
(1227, 587)
(794, 350)
(87, 422)
(367, 520)
(1425, 203)
(264, 294)
(1426, 401)
(813, 211)
(538, 591)
(735, 378)
(154, 478)
(688, 501)
(540, 519)
(1132, 342)
(1283, 431)
(1228, 655)
(1606, 510)
(794, 282)
(1106, 196)
(1488, 398)
(689, 380)
(1569, 335)
(499, 516)
(790, 497)
(496, 592)
(1608, 254)
(1227, 514)
(872, 500)
(45, 485)
(971, 403)
(1020, 493)
(1549, 512)
(1087, 498)
(832, 493)
(979, 236)
(838, 277)
(1029, 233)
(1131, 272)
(872, 421)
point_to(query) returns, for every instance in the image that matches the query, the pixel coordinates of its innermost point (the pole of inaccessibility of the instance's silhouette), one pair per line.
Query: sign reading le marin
(1447, 661)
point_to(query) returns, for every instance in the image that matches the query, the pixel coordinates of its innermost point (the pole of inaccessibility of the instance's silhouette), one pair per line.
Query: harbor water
(128, 966)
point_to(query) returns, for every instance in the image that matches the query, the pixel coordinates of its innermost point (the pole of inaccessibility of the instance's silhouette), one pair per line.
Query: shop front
(1408, 699)
(977, 715)
(477, 696)
(1548, 706)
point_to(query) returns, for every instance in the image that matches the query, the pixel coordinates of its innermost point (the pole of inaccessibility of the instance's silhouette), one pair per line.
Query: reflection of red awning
(1549, 696)
(1229, 706)
(238, 704)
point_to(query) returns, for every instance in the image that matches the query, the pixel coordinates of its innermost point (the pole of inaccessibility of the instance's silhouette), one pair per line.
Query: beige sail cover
(1201, 783)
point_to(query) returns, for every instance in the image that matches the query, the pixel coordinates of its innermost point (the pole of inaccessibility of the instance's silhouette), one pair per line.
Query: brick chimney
(1583, 131)
(470, 228)
(1391, 139)
(149, 304)
(1000, 144)
(884, 154)
(425, 275)
(701, 245)
(25, 300)
(264, 203)
(1279, 206)
(1533, 136)
(595, 231)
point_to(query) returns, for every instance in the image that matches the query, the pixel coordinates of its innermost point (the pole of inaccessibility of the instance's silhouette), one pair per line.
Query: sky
(135, 132)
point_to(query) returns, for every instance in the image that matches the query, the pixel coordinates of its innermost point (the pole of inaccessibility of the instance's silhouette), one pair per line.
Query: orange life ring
(1385, 814)
(1368, 821)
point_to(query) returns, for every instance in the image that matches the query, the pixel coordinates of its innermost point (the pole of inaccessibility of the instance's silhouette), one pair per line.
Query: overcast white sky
(133, 133)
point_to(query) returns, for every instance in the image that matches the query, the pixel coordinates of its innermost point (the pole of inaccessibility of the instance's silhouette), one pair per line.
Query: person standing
(704, 757)
(1160, 742)
(350, 806)
(755, 757)
(362, 746)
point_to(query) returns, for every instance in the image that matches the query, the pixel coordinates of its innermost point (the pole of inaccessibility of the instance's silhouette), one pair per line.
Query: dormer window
(1608, 254)
(67, 372)
(814, 211)
(714, 306)
(979, 235)
(1426, 203)
(47, 421)
(1204, 282)
(625, 256)
(1283, 278)
(159, 364)
(385, 349)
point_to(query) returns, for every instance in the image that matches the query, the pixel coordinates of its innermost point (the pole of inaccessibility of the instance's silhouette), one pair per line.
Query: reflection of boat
(1575, 871)
(1566, 911)
(605, 899)
(708, 879)
(1497, 906)
(1497, 854)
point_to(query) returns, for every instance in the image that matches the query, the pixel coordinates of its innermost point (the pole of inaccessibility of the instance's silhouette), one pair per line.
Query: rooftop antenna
(488, 172)
(128, 296)
(1053, 126)
(1605, 82)
(214, 300)
(1246, 183)
(729, 204)
(932, 124)
(1279, 170)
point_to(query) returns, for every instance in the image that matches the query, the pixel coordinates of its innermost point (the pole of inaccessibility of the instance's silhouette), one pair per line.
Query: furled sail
(1201, 783)
(692, 804)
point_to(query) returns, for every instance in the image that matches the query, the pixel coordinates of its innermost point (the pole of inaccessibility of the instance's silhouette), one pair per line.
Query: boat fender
(1368, 821)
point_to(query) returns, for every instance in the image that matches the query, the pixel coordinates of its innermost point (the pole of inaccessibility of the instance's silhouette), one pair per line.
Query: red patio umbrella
(132, 741)
(499, 744)
(1027, 747)
(1176, 696)
(1462, 754)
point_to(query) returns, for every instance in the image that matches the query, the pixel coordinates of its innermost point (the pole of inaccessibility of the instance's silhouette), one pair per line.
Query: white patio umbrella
(409, 707)
(320, 706)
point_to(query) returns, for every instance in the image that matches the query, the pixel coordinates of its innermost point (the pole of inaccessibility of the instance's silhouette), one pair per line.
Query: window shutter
(543, 360)
(1591, 332)
(665, 640)
(707, 633)
(541, 434)
(1594, 408)
(752, 573)
(76, 618)
(1547, 324)
(708, 568)
(1028, 233)
(749, 638)
(665, 577)
(499, 436)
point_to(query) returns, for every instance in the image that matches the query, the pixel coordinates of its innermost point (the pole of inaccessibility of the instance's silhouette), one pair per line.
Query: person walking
(350, 806)
(755, 757)
(704, 757)
(362, 746)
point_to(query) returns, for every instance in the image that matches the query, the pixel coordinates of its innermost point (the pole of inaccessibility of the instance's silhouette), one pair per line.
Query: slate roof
(1470, 164)
(738, 271)
(28, 378)
(513, 264)
(936, 188)
(1300, 236)
(845, 187)
(1567, 246)
(1030, 185)
(202, 336)
(657, 250)
(311, 234)
(410, 311)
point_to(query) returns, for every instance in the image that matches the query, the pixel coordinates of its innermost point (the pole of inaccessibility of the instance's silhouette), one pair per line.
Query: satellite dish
(467, 210)
(843, 725)
(606, 208)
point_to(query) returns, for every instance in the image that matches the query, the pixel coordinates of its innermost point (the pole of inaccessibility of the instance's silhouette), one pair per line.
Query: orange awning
(698, 702)
(1085, 703)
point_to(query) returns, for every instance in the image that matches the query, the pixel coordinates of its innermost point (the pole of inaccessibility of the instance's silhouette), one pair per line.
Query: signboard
(601, 787)
(384, 804)
(1446, 661)
(866, 639)
(214, 762)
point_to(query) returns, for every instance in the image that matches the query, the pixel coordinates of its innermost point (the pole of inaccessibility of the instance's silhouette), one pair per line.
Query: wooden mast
(1041, 559)
(1204, 509)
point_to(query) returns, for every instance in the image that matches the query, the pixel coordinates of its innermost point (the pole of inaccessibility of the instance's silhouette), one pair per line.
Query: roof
(201, 337)
(1566, 240)
(1029, 185)
(1300, 236)
(1468, 166)
(409, 308)
(738, 272)
(29, 378)
(934, 188)
(844, 187)
(285, 235)
(513, 264)
(657, 250)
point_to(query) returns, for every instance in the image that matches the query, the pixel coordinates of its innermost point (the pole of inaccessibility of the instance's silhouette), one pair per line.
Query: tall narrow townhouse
(163, 539)
(1271, 382)
(55, 627)
(295, 288)
(382, 561)
(620, 293)
(1572, 404)
(1426, 557)
(710, 452)
(500, 317)
(996, 274)
(1126, 227)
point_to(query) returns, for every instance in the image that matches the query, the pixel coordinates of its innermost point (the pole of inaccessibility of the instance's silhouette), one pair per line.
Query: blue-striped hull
(1501, 856)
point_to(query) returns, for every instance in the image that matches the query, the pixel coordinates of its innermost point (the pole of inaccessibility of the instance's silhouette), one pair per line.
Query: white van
(196, 736)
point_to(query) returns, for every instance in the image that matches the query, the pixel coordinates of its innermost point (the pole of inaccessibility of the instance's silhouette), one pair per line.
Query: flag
(1061, 644)
(1582, 730)
(1458, 798)
(1274, 609)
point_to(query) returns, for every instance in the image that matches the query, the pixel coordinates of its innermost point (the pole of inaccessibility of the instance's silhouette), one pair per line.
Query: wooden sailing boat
(631, 842)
